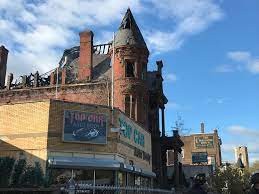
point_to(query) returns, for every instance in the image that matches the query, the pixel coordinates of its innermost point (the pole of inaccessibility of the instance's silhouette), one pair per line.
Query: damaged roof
(129, 33)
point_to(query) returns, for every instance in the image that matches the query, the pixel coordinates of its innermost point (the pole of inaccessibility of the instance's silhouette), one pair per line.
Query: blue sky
(209, 48)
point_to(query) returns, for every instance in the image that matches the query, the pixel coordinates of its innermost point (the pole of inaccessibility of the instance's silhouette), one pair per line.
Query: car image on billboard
(85, 127)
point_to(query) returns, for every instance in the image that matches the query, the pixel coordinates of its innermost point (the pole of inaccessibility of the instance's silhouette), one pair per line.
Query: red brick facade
(85, 93)
(136, 86)
(86, 56)
(3, 61)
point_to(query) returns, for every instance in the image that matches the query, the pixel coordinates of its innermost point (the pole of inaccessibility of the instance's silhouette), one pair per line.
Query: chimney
(159, 66)
(86, 56)
(202, 128)
(3, 62)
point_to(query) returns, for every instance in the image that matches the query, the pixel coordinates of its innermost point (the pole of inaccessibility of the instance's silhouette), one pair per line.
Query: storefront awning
(148, 173)
(84, 163)
(95, 163)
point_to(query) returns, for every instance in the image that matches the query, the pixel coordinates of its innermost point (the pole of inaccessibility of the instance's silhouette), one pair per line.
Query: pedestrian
(197, 187)
(254, 182)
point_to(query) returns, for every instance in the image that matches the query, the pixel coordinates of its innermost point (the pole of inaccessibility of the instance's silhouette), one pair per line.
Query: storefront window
(137, 181)
(87, 176)
(145, 182)
(120, 179)
(105, 177)
(60, 176)
(131, 181)
(102, 177)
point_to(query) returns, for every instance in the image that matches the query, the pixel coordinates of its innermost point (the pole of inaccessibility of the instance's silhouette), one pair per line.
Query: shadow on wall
(19, 168)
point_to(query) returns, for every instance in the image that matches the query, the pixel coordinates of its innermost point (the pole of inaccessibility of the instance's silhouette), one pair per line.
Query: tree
(254, 167)
(33, 176)
(18, 174)
(6, 167)
(231, 180)
(19, 169)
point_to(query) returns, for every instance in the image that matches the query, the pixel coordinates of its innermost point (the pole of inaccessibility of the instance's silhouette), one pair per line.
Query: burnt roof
(129, 33)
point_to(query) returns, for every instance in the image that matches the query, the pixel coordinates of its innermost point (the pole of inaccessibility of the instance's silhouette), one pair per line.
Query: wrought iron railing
(100, 189)
(102, 48)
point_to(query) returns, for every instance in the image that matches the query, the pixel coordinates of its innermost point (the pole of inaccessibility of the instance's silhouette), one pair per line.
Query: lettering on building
(132, 133)
(204, 141)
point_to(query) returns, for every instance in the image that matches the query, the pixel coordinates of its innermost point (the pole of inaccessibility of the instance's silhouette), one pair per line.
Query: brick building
(201, 153)
(39, 132)
(199, 143)
(86, 75)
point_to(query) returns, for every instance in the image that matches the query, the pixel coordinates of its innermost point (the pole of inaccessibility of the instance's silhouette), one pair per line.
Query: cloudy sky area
(210, 51)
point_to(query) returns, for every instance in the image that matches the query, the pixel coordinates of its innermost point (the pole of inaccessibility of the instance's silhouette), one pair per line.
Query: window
(127, 105)
(144, 72)
(130, 69)
(130, 106)
(144, 116)
(131, 162)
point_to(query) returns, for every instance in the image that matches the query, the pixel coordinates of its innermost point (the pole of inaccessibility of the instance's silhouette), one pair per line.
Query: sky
(209, 49)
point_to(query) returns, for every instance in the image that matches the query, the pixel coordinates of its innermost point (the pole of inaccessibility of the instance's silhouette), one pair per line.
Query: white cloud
(226, 147)
(173, 105)
(37, 32)
(253, 66)
(225, 69)
(160, 41)
(239, 56)
(219, 100)
(189, 16)
(177, 106)
(253, 157)
(241, 136)
(170, 77)
(243, 131)
(244, 61)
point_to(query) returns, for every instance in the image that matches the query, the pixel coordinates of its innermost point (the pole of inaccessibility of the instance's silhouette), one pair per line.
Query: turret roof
(129, 33)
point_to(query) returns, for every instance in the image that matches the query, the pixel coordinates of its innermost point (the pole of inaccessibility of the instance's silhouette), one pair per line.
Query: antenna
(179, 125)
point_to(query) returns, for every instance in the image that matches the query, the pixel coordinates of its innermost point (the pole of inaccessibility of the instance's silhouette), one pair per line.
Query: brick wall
(23, 131)
(55, 142)
(35, 129)
(189, 147)
(92, 93)
(128, 144)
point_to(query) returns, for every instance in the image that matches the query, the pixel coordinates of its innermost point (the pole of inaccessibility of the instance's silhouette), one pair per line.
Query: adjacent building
(201, 152)
(241, 156)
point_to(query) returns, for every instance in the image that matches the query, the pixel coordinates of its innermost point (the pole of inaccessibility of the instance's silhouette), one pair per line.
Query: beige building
(92, 140)
(242, 153)
(200, 148)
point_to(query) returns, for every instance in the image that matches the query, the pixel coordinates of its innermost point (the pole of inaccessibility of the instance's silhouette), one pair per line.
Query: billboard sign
(204, 141)
(132, 133)
(85, 127)
(199, 157)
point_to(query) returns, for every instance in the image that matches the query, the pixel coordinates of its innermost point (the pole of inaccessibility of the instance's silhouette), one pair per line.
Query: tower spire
(129, 33)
